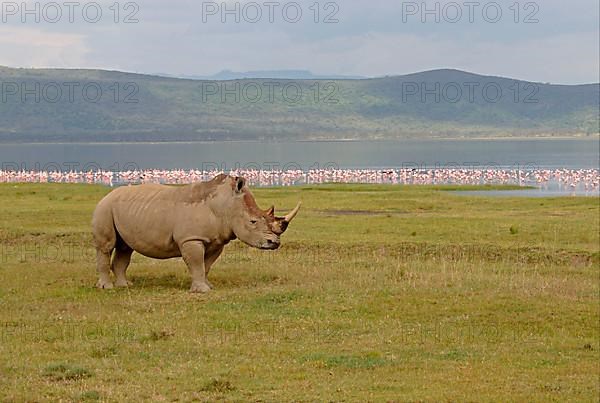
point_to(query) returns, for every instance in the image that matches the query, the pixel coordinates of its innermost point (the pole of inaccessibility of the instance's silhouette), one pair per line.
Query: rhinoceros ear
(271, 211)
(239, 183)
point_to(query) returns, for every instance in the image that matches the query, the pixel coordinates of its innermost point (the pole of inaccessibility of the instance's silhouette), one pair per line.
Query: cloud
(571, 58)
(33, 47)
(370, 39)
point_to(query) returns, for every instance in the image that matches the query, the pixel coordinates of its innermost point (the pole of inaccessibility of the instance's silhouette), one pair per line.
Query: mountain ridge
(439, 103)
(275, 74)
(313, 76)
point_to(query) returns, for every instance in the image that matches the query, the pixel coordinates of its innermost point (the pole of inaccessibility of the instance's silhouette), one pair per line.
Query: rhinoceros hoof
(123, 283)
(105, 285)
(200, 287)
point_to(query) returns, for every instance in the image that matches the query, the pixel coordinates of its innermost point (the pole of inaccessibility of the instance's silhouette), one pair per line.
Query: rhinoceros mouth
(269, 245)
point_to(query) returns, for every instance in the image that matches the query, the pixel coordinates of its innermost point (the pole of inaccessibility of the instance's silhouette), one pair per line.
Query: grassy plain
(379, 293)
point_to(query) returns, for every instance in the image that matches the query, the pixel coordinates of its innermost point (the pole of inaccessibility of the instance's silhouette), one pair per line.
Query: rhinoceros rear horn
(290, 216)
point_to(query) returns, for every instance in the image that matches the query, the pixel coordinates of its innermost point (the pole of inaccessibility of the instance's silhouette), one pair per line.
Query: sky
(553, 41)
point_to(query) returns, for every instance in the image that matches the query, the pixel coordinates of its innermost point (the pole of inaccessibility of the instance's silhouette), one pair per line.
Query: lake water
(420, 154)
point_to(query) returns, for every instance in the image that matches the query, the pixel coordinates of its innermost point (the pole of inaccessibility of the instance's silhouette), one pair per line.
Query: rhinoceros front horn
(290, 216)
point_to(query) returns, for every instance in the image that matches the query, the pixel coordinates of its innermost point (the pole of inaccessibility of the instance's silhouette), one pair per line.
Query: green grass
(379, 293)
(65, 372)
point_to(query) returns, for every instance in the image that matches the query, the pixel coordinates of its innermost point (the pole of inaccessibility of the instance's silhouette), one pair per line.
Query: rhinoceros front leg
(193, 256)
(209, 259)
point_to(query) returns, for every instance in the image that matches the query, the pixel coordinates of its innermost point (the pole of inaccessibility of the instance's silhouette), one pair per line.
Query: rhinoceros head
(258, 228)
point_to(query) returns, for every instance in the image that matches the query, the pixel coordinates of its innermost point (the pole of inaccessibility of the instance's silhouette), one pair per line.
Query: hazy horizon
(281, 72)
(553, 41)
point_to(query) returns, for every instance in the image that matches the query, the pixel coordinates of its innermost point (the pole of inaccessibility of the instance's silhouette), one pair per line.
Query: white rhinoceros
(194, 222)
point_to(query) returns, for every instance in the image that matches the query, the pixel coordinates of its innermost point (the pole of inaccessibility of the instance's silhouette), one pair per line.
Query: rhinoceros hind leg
(193, 256)
(119, 265)
(103, 268)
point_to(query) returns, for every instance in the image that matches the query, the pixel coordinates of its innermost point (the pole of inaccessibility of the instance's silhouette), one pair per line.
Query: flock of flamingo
(586, 180)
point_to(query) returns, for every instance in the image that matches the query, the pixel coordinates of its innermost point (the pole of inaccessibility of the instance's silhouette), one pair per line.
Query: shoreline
(349, 140)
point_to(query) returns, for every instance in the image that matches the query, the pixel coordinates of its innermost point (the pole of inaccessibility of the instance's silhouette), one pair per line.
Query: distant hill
(279, 74)
(49, 105)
